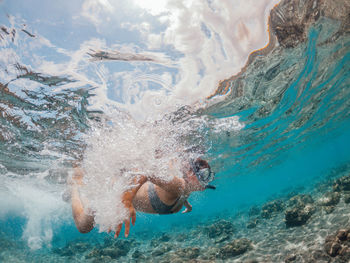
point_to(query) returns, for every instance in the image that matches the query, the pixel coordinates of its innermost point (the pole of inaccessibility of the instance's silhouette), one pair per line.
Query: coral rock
(300, 200)
(330, 199)
(332, 248)
(138, 255)
(222, 227)
(347, 198)
(342, 234)
(342, 184)
(329, 209)
(290, 258)
(298, 216)
(161, 250)
(235, 248)
(338, 245)
(252, 223)
(188, 253)
(271, 208)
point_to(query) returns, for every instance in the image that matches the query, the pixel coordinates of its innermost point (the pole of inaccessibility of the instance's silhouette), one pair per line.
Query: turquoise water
(296, 114)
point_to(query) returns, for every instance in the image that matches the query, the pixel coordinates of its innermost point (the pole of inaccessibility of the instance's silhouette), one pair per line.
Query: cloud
(94, 10)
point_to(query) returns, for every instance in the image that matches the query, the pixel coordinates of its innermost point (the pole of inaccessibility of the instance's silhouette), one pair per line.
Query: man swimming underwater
(149, 195)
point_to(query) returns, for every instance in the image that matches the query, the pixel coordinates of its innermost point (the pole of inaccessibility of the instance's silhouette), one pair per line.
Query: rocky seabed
(308, 226)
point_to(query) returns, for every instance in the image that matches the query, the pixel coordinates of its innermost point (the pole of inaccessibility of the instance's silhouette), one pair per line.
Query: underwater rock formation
(298, 216)
(138, 255)
(162, 249)
(252, 223)
(112, 249)
(347, 197)
(220, 228)
(271, 208)
(300, 200)
(157, 241)
(235, 248)
(342, 184)
(330, 199)
(338, 245)
(184, 254)
(269, 240)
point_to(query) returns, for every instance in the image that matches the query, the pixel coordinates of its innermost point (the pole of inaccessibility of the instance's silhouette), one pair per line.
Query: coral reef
(338, 245)
(271, 208)
(298, 216)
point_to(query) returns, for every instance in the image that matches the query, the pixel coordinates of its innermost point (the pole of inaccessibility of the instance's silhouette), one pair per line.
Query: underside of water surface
(275, 129)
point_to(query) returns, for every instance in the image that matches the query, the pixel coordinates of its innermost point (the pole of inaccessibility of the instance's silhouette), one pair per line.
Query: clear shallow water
(293, 130)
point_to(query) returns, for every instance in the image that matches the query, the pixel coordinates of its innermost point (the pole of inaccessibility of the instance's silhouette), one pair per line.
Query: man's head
(201, 174)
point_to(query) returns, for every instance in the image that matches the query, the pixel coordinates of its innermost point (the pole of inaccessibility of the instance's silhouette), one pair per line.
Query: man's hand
(188, 207)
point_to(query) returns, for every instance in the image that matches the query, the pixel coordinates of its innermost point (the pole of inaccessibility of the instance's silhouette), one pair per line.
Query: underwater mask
(204, 175)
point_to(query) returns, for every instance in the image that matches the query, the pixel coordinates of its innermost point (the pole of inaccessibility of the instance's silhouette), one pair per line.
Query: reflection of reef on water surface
(307, 226)
(289, 28)
(289, 91)
(289, 24)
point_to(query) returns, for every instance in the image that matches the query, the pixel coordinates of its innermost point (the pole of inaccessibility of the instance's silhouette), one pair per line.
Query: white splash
(117, 151)
(226, 124)
(39, 202)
